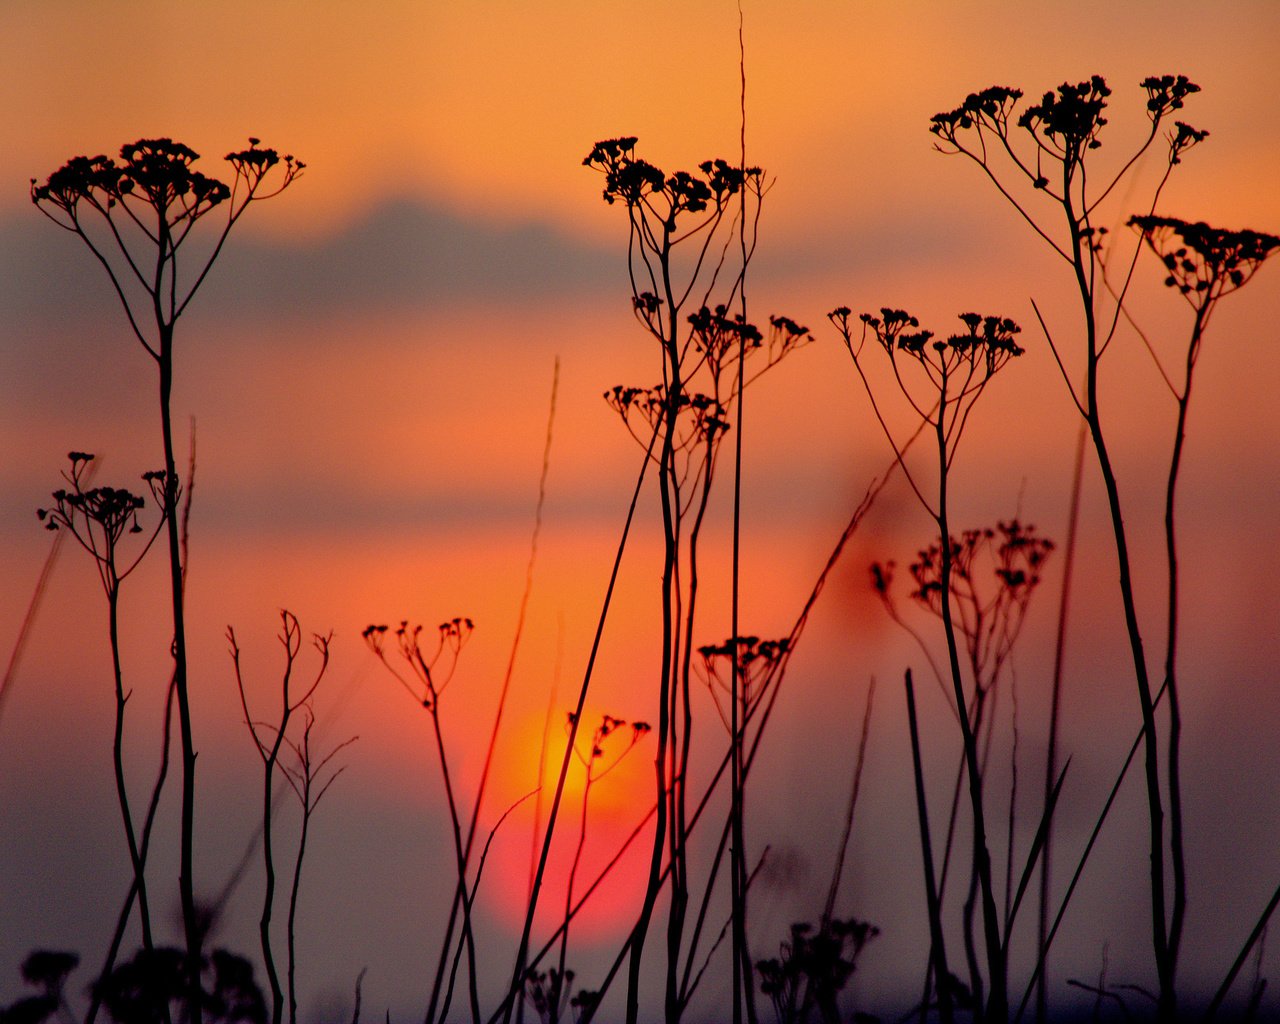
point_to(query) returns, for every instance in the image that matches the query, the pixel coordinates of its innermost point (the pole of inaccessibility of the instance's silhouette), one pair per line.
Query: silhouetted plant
(664, 211)
(941, 380)
(994, 573)
(1046, 150)
(307, 778)
(676, 258)
(813, 968)
(143, 990)
(136, 216)
(596, 766)
(1204, 265)
(425, 684)
(99, 518)
(47, 970)
(755, 663)
(151, 986)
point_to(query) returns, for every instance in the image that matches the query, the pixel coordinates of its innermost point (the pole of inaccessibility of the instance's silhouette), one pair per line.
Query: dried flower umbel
(100, 519)
(994, 573)
(756, 663)
(1204, 263)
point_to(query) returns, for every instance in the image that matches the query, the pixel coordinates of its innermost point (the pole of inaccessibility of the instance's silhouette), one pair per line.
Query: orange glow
(617, 803)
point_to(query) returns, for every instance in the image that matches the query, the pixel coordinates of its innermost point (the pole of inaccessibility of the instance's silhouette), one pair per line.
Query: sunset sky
(369, 369)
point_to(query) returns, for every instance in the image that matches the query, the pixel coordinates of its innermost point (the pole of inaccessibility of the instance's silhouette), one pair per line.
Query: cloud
(407, 255)
(403, 254)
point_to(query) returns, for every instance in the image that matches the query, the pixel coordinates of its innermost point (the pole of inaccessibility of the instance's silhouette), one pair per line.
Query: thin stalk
(859, 762)
(461, 890)
(192, 927)
(1259, 930)
(937, 944)
(997, 1007)
(117, 757)
(743, 989)
(1055, 705)
(522, 952)
(568, 896)
(1164, 965)
(1173, 754)
(117, 938)
(683, 706)
(668, 489)
(291, 925)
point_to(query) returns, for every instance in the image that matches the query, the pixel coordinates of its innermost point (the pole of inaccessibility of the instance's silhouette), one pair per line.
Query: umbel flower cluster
(1067, 119)
(1204, 262)
(159, 173)
(99, 517)
(987, 343)
(635, 181)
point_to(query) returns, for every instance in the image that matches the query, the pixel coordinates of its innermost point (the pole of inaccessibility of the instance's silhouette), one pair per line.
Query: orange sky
(489, 107)
(370, 365)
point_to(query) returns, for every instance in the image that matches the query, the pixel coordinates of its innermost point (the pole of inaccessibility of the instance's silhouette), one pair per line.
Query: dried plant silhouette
(99, 519)
(308, 775)
(136, 217)
(678, 247)
(994, 574)
(941, 380)
(692, 949)
(426, 685)
(550, 992)
(1043, 154)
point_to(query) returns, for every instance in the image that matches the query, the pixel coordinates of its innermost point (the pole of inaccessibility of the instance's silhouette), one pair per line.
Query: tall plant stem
(743, 989)
(117, 756)
(117, 938)
(522, 952)
(1167, 1003)
(268, 856)
(997, 1009)
(1051, 755)
(1173, 767)
(461, 897)
(294, 887)
(668, 489)
(186, 885)
(937, 944)
(860, 761)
